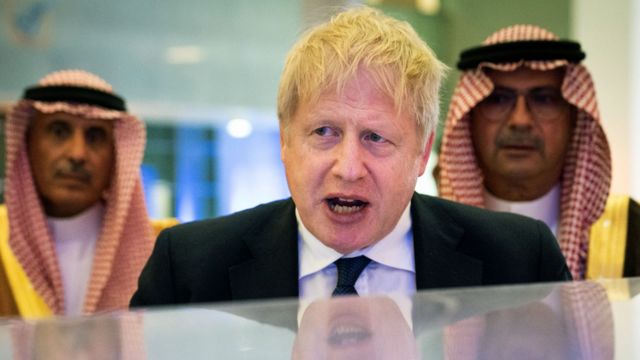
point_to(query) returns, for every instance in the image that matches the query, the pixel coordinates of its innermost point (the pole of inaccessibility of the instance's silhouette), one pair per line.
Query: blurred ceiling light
(239, 128)
(184, 54)
(428, 7)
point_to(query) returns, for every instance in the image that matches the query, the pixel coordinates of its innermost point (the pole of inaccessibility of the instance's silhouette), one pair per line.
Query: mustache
(73, 169)
(511, 137)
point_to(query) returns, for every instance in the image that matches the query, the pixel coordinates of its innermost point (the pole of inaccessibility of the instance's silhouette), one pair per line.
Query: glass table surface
(578, 320)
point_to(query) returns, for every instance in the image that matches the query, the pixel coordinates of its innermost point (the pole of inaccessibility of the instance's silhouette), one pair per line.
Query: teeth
(341, 209)
(345, 330)
(345, 205)
(348, 335)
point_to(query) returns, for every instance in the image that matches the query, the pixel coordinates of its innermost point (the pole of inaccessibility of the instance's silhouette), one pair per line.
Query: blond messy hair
(399, 62)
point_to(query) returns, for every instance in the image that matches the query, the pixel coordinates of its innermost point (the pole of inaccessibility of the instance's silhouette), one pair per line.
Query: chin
(348, 246)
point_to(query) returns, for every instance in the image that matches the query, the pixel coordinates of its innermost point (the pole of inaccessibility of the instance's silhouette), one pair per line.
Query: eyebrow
(542, 87)
(528, 90)
(98, 126)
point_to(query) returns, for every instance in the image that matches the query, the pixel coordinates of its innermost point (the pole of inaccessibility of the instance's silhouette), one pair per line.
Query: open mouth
(347, 335)
(346, 206)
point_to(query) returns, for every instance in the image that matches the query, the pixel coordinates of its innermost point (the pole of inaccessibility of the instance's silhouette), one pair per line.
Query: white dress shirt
(545, 208)
(75, 239)
(391, 271)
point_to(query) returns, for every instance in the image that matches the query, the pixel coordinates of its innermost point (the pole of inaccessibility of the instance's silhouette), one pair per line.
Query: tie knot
(349, 269)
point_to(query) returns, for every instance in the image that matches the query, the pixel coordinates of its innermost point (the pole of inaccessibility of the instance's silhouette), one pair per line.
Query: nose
(77, 146)
(350, 159)
(521, 115)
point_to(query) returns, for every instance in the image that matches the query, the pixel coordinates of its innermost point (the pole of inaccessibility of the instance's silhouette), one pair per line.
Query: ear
(283, 144)
(424, 156)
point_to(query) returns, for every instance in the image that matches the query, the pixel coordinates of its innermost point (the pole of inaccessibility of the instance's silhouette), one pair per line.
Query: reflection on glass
(545, 321)
(354, 328)
(574, 321)
(103, 337)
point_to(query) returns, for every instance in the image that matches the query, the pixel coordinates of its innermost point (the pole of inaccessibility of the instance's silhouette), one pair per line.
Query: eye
(546, 97)
(59, 129)
(324, 131)
(376, 138)
(96, 135)
(500, 97)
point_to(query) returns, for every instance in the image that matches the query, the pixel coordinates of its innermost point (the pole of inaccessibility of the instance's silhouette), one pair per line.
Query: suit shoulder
(232, 225)
(499, 240)
(474, 217)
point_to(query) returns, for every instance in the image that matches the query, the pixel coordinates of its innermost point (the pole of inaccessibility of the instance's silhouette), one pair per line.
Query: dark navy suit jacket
(253, 254)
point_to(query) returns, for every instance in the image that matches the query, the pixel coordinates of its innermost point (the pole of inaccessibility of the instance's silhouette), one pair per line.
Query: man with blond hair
(357, 104)
(74, 232)
(523, 135)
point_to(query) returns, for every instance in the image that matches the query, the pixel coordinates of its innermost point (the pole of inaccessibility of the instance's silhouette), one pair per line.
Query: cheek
(104, 166)
(483, 138)
(558, 139)
(39, 161)
(302, 160)
(396, 177)
(298, 170)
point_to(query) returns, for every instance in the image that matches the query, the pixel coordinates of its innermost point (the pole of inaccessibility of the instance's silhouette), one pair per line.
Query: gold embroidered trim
(608, 238)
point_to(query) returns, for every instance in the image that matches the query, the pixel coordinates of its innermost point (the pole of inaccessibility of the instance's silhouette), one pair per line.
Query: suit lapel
(435, 239)
(271, 270)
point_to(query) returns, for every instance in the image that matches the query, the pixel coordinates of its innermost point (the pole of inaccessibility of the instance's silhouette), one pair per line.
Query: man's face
(351, 163)
(351, 327)
(71, 159)
(521, 133)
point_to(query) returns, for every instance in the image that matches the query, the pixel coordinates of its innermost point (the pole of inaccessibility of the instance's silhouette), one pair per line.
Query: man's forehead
(73, 119)
(525, 78)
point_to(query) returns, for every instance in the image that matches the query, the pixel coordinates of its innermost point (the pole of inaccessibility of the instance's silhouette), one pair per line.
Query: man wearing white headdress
(74, 231)
(523, 134)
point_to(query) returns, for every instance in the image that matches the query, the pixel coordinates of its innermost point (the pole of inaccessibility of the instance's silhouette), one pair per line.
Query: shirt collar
(394, 250)
(545, 208)
(77, 227)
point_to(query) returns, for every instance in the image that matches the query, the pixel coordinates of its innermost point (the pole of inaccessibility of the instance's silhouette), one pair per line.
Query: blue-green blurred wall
(243, 41)
(241, 46)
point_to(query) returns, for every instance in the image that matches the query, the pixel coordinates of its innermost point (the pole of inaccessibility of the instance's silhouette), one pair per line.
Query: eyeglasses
(544, 103)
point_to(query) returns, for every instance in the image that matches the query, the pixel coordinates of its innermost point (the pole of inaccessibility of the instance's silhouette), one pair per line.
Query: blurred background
(203, 75)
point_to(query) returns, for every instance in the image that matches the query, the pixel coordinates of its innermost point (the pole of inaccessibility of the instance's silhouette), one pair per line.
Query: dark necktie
(348, 271)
